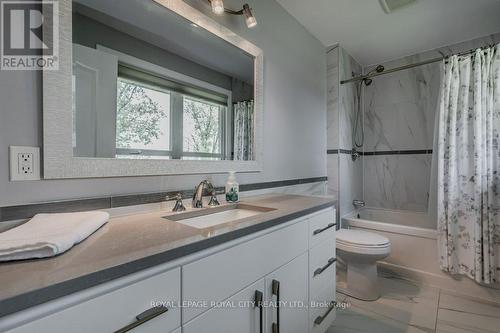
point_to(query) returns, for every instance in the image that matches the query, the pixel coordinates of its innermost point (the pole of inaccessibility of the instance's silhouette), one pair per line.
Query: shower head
(378, 69)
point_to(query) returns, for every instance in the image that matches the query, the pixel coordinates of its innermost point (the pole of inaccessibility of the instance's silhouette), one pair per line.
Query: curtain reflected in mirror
(243, 130)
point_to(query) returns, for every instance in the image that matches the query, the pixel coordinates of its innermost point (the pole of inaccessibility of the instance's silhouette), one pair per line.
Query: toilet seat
(361, 238)
(362, 242)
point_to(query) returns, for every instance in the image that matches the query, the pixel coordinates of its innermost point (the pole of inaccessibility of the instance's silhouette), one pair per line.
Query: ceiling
(157, 25)
(371, 36)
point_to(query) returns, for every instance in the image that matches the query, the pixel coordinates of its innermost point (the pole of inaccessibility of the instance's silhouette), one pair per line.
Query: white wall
(294, 107)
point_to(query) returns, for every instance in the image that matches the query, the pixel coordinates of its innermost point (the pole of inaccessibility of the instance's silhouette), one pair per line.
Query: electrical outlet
(24, 163)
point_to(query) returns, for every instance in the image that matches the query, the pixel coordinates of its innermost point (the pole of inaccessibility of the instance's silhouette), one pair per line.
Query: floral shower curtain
(243, 130)
(469, 166)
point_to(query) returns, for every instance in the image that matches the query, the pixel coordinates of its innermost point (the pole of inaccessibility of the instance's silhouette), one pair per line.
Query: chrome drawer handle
(319, 319)
(318, 231)
(322, 269)
(143, 317)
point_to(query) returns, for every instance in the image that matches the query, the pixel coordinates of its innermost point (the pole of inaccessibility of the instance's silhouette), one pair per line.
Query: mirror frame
(58, 159)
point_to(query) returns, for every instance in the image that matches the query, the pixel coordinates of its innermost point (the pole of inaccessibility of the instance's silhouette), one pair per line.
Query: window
(160, 118)
(202, 129)
(142, 120)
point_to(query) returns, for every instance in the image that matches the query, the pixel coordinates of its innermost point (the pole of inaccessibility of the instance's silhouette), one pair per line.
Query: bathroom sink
(210, 217)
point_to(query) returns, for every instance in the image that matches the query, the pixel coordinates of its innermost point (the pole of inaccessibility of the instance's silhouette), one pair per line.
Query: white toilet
(360, 251)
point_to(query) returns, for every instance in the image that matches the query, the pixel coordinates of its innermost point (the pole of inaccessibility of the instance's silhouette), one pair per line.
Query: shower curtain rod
(397, 69)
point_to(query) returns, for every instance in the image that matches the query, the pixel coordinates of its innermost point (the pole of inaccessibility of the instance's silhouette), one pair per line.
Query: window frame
(176, 113)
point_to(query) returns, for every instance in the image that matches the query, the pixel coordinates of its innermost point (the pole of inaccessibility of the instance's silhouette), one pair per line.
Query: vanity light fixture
(249, 18)
(218, 8)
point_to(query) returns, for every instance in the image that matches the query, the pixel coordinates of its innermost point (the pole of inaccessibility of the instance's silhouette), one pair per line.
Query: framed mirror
(150, 87)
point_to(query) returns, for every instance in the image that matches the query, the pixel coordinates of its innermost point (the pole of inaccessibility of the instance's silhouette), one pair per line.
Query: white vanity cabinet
(263, 283)
(297, 265)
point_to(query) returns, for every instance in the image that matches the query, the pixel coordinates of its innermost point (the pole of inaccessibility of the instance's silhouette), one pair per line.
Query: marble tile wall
(345, 177)
(332, 84)
(399, 114)
(397, 181)
(350, 182)
(332, 122)
(350, 172)
(348, 98)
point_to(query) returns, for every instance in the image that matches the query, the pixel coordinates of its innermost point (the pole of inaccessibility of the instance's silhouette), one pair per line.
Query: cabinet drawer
(321, 227)
(321, 318)
(322, 268)
(322, 282)
(239, 314)
(221, 275)
(117, 309)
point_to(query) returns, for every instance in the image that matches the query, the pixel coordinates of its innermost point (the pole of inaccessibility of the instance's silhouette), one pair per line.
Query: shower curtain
(468, 172)
(243, 130)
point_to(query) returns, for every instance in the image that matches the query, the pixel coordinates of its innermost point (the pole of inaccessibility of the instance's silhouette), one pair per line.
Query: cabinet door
(233, 269)
(286, 291)
(242, 313)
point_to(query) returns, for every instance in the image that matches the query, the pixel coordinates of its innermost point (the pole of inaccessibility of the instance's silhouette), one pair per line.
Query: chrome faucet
(358, 203)
(198, 195)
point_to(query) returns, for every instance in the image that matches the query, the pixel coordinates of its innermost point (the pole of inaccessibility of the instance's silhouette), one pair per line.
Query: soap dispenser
(232, 188)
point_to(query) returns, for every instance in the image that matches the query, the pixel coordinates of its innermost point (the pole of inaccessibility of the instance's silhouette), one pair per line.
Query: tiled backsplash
(312, 186)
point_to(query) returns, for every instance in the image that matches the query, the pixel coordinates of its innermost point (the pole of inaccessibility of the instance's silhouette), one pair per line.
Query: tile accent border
(382, 152)
(399, 152)
(18, 212)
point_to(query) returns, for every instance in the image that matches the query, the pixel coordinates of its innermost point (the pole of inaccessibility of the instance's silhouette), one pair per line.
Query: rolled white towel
(47, 235)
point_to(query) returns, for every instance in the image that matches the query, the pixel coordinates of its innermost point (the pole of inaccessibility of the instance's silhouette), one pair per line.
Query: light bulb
(217, 6)
(249, 18)
(251, 21)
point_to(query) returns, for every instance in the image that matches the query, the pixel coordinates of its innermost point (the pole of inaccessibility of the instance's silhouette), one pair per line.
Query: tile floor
(408, 307)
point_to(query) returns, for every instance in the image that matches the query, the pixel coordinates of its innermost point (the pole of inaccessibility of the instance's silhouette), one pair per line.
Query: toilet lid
(361, 238)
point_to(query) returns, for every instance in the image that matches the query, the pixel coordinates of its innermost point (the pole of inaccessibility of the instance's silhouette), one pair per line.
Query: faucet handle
(358, 203)
(179, 206)
(213, 199)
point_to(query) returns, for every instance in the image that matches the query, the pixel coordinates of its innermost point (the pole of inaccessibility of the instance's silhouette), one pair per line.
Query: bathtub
(393, 221)
(414, 251)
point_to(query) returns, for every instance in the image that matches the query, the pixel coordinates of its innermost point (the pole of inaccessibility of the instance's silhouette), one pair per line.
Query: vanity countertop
(132, 243)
